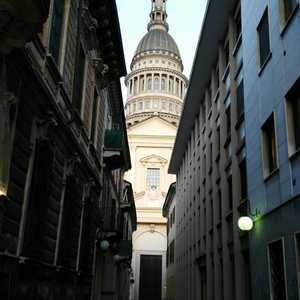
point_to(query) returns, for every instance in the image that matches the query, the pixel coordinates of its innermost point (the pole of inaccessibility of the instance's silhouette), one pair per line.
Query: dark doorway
(150, 277)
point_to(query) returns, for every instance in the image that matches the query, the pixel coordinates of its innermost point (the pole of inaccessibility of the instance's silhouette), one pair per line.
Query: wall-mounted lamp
(104, 245)
(246, 223)
(3, 192)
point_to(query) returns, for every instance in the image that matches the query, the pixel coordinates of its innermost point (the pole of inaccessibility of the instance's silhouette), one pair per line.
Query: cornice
(149, 69)
(151, 96)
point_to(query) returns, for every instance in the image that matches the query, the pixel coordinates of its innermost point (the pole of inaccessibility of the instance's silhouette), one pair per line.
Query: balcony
(114, 149)
(20, 21)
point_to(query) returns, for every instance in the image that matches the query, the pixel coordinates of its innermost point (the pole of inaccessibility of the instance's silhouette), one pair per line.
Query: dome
(157, 39)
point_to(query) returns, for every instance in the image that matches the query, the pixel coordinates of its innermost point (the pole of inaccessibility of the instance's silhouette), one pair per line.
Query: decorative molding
(153, 160)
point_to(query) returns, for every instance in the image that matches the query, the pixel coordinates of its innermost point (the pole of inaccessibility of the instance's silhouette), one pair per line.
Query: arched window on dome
(171, 85)
(142, 84)
(149, 84)
(163, 84)
(156, 84)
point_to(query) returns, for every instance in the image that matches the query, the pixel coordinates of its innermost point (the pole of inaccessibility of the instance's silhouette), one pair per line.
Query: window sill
(285, 26)
(240, 146)
(295, 154)
(263, 66)
(226, 73)
(240, 120)
(217, 94)
(228, 164)
(243, 204)
(209, 114)
(270, 175)
(237, 45)
(227, 141)
(229, 216)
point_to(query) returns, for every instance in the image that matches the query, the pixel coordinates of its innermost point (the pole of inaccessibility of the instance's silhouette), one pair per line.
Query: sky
(184, 18)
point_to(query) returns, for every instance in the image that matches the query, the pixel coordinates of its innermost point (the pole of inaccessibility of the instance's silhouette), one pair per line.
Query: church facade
(156, 88)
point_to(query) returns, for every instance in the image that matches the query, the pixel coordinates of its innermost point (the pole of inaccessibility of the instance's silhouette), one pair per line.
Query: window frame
(297, 249)
(63, 34)
(267, 172)
(290, 118)
(284, 267)
(262, 64)
(150, 179)
(284, 19)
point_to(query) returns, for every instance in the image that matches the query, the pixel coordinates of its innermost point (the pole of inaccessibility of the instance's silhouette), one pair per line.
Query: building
(64, 151)
(156, 87)
(240, 156)
(169, 211)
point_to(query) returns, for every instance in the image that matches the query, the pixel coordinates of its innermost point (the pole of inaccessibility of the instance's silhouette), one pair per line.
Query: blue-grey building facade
(269, 87)
(237, 154)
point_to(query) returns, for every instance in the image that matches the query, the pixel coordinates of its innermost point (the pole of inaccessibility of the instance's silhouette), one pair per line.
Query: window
(243, 178)
(140, 105)
(56, 28)
(220, 204)
(203, 110)
(228, 121)
(171, 253)
(240, 99)
(142, 86)
(298, 258)
(238, 21)
(218, 136)
(226, 53)
(263, 39)
(163, 84)
(134, 107)
(230, 193)
(269, 146)
(277, 271)
(217, 77)
(79, 80)
(156, 83)
(94, 116)
(287, 8)
(153, 178)
(203, 283)
(38, 202)
(149, 84)
(171, 108)
(293, 118)
(171, 85)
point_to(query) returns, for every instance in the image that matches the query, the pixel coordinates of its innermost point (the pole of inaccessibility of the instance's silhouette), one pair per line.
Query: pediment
(154, 126)
(153, 160)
